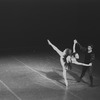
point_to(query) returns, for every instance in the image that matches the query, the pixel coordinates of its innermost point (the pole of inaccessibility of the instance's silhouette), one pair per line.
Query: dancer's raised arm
(75, 41)
(55, 48)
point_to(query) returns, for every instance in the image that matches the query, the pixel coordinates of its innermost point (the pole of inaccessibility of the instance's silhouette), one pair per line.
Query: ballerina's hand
(48, 42)
(75, 41)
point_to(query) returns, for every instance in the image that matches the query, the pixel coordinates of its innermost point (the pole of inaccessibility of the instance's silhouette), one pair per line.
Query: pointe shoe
(66, 84)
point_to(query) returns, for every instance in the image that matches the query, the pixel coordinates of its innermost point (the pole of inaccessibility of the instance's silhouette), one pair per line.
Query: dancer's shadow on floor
(76, 77)
(54, 76)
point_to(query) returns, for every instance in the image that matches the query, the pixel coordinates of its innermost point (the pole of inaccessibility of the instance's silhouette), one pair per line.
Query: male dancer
(89, 58)
(65, 58)
(75, 56)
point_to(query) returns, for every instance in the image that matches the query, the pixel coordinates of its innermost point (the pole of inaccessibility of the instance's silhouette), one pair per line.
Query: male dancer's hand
(90, 64)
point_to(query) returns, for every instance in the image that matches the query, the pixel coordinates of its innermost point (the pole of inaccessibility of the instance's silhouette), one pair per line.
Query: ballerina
(89, 58)
(63, 55)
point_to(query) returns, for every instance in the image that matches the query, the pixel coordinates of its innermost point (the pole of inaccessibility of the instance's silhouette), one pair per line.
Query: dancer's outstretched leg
(62, 55)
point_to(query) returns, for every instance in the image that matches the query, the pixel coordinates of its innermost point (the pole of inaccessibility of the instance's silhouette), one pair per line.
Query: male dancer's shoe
(79, 80)
(91, 85)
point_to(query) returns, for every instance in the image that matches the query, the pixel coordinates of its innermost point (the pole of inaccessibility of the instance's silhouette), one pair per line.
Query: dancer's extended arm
(55, 48)
(79, 63)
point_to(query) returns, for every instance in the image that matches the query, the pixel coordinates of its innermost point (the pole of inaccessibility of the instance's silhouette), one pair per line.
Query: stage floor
(39, 77)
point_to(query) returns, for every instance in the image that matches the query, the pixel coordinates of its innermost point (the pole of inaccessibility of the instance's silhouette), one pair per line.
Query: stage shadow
(57, 77)
(96, 83)
(76, 77)
(54, 76)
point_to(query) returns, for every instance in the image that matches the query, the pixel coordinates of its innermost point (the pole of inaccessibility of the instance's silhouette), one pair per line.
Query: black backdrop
(29, 23)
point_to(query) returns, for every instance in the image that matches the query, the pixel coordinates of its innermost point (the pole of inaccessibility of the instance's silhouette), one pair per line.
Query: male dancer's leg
(90, 75)
(84, 69)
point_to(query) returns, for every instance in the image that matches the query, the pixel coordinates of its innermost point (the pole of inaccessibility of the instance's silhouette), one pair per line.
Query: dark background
(26, 24)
